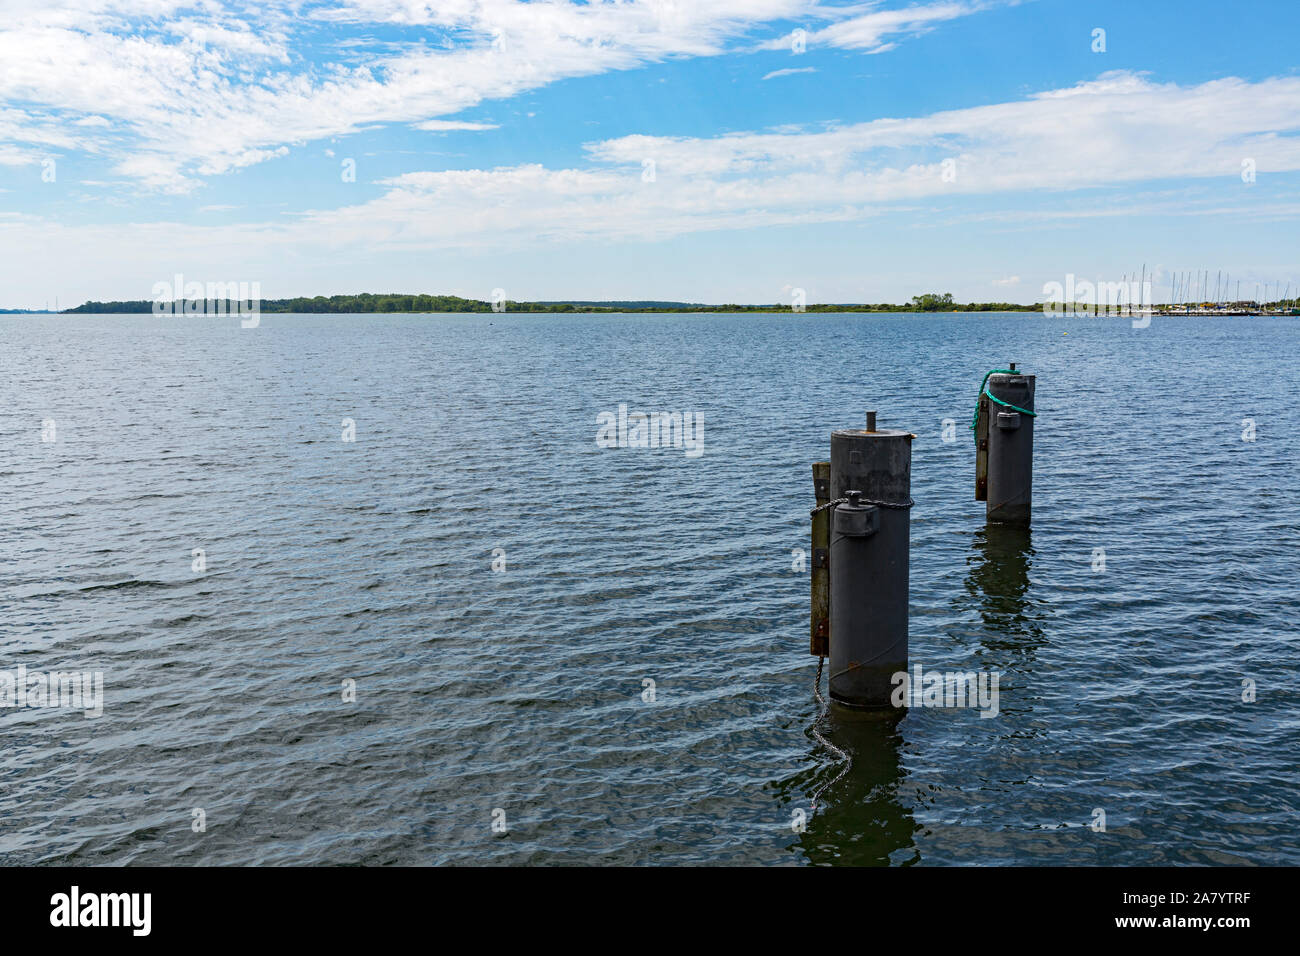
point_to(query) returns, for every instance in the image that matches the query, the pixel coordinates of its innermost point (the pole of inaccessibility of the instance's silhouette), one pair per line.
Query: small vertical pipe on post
(870, 563)
(821, 575)
(1010, 438)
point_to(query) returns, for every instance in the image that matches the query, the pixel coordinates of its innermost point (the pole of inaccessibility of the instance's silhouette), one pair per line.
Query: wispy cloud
(869, 28)
(203, 87)
(790, 72)
(445, 126)
(182, 90)
(1121, 129)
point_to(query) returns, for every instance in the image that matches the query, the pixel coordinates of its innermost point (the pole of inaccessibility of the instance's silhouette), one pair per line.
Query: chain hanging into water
(824, 710)
(823, 707)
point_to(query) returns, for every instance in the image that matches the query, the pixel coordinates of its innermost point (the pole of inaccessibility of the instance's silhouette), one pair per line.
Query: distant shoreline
(1163, 312)
(417, 304)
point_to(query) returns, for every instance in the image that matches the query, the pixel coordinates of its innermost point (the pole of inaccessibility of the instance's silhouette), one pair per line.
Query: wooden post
(982, 450)
(821, 569)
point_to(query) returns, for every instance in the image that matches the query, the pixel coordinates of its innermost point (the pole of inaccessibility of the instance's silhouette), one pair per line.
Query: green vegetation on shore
(392, 302)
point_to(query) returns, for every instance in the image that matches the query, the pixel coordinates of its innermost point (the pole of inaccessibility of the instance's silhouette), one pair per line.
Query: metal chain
(824, 712)
(824, 708)
(865, 501)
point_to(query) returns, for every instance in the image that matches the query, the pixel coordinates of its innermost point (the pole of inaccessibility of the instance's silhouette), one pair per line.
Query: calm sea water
(521, 690)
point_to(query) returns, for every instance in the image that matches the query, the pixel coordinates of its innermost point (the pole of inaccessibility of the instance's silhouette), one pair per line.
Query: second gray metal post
(1010, 448)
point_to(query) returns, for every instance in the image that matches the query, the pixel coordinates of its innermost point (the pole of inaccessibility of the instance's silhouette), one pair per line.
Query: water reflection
(862, 820)
(998, 583)
(867, 817)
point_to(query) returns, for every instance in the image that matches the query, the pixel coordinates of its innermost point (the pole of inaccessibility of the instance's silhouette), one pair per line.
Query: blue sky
(661, 149)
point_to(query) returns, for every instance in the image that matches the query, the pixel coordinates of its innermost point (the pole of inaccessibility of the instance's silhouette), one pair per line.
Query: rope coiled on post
(984, 390)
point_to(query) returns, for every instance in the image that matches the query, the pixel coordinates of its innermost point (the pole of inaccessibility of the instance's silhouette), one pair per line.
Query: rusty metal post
(821, 574)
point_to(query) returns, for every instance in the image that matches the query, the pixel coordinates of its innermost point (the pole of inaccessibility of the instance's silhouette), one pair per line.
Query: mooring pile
(861, 533)
(1004, 445)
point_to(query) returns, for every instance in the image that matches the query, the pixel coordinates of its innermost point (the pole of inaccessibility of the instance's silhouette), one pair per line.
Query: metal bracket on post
(858, 520)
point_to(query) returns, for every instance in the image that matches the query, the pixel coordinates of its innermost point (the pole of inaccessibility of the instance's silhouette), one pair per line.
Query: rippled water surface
(522, 690)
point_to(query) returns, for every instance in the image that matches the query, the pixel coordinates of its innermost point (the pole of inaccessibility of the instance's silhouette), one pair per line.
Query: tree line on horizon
(369, 302)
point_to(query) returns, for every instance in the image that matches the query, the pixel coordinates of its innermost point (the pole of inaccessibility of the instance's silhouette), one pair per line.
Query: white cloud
(203, 87)
(865, 26)
(1008, 281)
(1120, 129)
(443, 126)
(791, 72)
(156, 171)
(178, 90)
(39, 130)
(13, 156)
(866, 32)
(241, 40)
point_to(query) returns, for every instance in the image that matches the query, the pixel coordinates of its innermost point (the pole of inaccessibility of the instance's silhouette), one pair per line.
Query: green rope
(984, 390)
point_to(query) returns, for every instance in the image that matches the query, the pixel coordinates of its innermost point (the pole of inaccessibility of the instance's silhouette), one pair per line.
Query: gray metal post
(1010, 448)
(869, 563)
